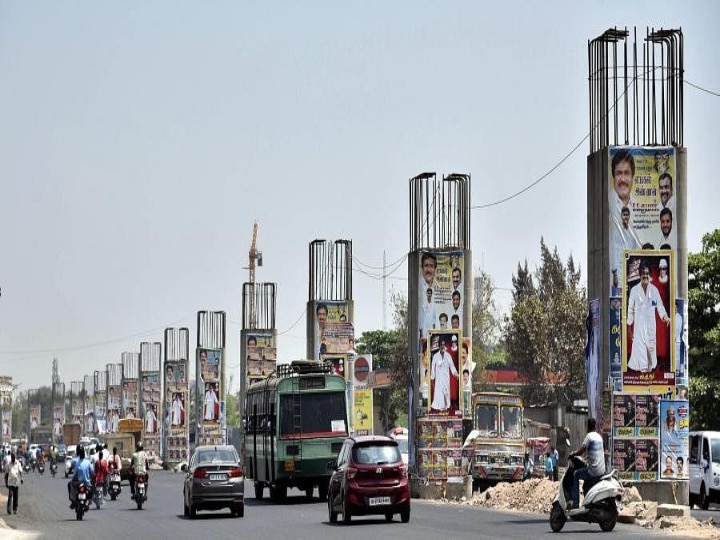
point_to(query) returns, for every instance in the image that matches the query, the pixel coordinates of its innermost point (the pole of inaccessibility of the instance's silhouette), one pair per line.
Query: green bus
(295, 424)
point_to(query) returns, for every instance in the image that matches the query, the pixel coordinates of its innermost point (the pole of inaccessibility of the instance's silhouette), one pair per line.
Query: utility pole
(384, 276)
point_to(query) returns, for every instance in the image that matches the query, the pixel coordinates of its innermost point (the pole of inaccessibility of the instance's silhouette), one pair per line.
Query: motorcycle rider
(101, 471)
(138, 465)
(115, 463)
(82, 473)
(593, 446)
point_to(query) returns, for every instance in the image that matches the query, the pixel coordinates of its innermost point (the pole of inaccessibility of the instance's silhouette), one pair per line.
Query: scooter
(53, 469)
(41, 468)
(26, 467)
(600, 504)
(114, 488)
(140, 491)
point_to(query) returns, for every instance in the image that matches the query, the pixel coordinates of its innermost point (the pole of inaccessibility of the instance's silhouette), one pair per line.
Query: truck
(498, 438)
(71, 434)
(128, 435)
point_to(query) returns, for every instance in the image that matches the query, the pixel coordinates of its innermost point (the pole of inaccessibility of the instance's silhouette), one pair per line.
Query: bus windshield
(486, 419)
(511, 421)
(323, 414)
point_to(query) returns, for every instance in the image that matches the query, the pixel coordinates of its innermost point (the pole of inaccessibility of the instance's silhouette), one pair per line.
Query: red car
(369, 477)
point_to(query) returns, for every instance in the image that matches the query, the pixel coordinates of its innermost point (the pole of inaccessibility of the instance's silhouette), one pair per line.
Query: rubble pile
(536, 495)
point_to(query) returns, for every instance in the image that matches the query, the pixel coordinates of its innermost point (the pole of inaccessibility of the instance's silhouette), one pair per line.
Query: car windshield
(376, 454)
(715, 448)
(206, 457)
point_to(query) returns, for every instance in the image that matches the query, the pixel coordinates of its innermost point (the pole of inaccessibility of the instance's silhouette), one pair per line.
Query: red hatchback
(369, 478)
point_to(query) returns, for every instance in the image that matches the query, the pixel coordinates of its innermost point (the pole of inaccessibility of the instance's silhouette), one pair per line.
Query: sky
(140, 141)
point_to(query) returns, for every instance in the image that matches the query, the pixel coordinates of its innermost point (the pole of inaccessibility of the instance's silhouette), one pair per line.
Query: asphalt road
(44, 513)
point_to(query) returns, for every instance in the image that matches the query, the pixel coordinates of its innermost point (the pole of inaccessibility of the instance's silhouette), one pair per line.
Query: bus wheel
(258, 490)
(278, 493)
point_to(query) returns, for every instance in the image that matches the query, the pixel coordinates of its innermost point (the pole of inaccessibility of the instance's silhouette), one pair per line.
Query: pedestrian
(555, 459)
(549, 466)
(13, 479)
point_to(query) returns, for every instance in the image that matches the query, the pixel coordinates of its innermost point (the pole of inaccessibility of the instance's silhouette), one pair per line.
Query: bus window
(511, 421)
(320, 413)
(486, 418)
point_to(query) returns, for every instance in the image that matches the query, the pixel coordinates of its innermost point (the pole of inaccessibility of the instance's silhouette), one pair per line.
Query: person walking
(13, 479)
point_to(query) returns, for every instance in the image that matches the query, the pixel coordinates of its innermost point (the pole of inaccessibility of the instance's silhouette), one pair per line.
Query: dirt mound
(536, 495)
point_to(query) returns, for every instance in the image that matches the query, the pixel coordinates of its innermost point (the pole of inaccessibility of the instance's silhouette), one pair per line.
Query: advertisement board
(648, 312)
(210, 394)
(641, 203)
(177, 401)
(441, 363)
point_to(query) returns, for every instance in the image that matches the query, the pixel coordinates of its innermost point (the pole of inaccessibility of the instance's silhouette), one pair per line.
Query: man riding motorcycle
(593, 446)
(82, 474)
(138, 465)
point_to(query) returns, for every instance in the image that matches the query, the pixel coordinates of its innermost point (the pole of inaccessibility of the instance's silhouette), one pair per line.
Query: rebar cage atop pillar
(636, 101)
(330, 270)
(439, 211)
(258, 306)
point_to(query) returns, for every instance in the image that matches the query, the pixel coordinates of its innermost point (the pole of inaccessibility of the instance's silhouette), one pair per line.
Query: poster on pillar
(210, 394)
(261, 356)
(440, 293)
(674, 437)
(334, 333)
(648, 313)
(593, 369)
(641, 204)
(442, 362)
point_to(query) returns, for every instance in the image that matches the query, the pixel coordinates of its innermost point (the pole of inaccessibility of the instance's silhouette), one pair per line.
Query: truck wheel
(704, 499)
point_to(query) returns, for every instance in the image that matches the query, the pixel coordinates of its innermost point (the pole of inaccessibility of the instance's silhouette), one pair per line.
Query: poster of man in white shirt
(444, 385)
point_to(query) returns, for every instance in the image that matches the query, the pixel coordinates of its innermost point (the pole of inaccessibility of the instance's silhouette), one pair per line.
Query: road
(44, 512)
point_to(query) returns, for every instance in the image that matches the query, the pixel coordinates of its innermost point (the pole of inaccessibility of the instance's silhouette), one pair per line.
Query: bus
(295, 424)
(499, 442)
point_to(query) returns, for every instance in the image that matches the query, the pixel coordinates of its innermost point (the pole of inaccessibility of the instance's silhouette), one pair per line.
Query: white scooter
(600, 504)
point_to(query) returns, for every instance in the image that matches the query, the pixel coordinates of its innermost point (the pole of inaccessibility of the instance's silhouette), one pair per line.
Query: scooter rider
(82, 474)
(138, 465)
(593, 446)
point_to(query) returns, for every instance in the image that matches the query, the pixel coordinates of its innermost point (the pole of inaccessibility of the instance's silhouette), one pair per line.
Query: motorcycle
(83, 497)
(114, 488)
(26, 467)
(53, 469)
(140, 491)
(600, 504)
(33, 464)
(41, 468)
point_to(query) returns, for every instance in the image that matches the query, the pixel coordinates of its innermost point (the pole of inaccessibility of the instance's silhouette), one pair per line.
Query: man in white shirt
(442, 366)
(644, 300)
(593, 446)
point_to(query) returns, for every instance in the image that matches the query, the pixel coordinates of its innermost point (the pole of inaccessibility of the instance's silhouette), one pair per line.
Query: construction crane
(255, 256)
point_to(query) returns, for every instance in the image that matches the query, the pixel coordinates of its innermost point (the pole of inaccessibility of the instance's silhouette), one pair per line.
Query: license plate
(379, 501)
(217, 477)
(81, 496)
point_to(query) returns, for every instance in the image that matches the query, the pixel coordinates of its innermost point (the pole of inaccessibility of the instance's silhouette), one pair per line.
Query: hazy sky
(140, 140)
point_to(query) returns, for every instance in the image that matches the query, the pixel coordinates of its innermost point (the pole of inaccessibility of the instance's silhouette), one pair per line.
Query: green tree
(704, 332)
(487, 346)
(389, 351)
(545, 331)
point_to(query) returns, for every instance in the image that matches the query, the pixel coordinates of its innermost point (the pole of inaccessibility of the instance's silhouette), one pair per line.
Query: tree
(390, 351)
(545, 333)
(487, 347)
(704, 332)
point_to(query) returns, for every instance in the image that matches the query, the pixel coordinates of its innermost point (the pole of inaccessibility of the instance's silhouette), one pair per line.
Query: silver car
(214, 480)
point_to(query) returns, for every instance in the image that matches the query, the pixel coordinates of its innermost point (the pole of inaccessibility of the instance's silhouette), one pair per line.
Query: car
(369, 478)
(61, 449)
(214, 480)
(69, 455)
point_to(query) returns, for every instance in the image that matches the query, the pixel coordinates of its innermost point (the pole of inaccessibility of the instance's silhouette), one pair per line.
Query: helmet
(138, 446)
